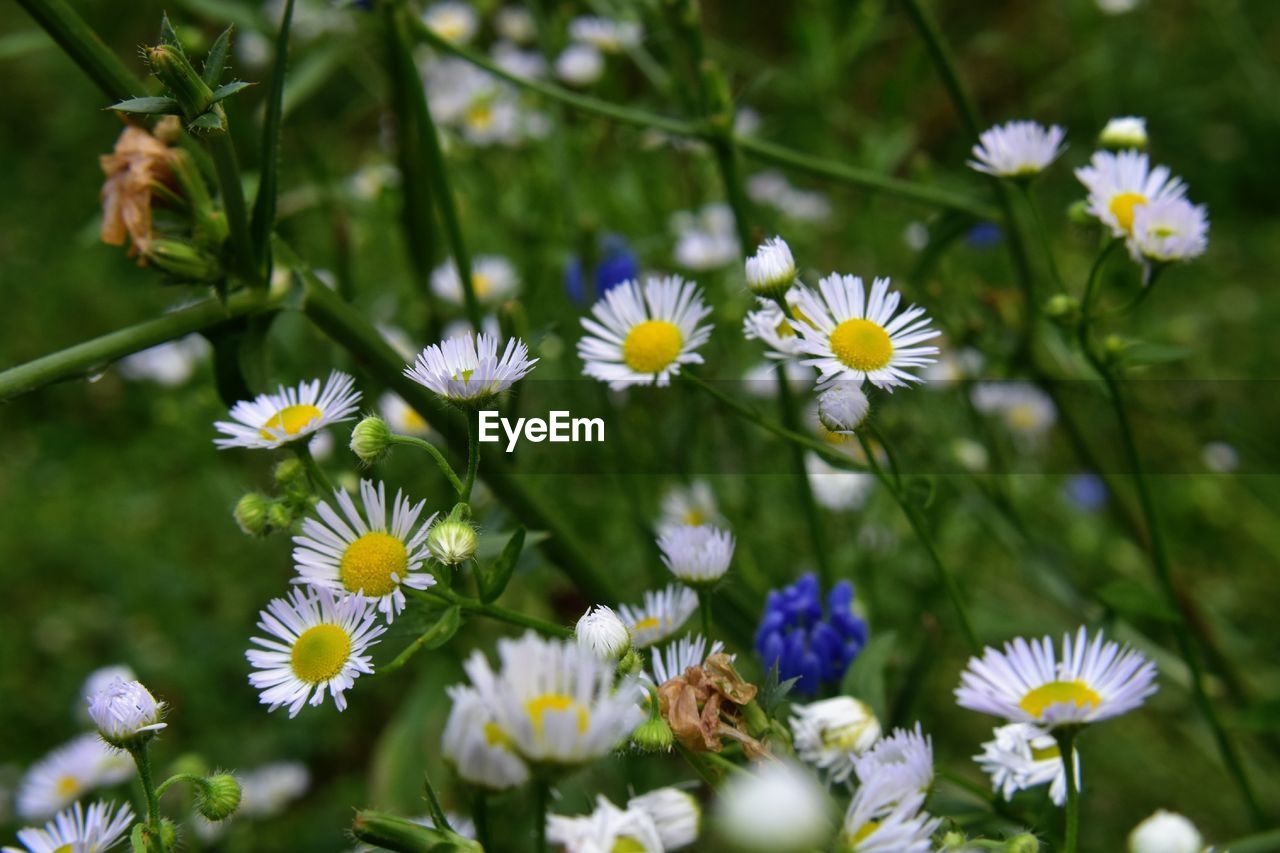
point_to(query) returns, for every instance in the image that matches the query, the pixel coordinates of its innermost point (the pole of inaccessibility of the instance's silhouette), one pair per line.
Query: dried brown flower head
(704, 705)
(139, 161)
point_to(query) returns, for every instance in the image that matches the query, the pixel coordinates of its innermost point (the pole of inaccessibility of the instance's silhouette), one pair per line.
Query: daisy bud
(843, 408)
(183, 82)
(674, 812)
(1078, 213)
(1165, 832)
(1122, 133)
(288, 471)
(771, 270)
(1025, 843)
(371, 440)
(602, 631)
(653, 735)
(183, 260)
(630, 664)
(452, 541)
(954, 841)
(279, 516)
(252, 513)
(126, 714)
(218, 796)
(1063, 309)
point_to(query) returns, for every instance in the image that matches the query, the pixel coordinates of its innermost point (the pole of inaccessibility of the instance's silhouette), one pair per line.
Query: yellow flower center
(845, 737)
(1046, 754)
(290, 420)
(864, 831)
(413, 422)
(319, 653)
(645, 624)
(1024, 417)
(68, 786)
(1058, 692)
(481, 284)
(558, 703)
(1122, 207)
(861, 345)
(627, 844)
(479, 117)
(652, 345)
(694, 518)
(450, 27)
(495, 736)
(370, 562)
(66, 848)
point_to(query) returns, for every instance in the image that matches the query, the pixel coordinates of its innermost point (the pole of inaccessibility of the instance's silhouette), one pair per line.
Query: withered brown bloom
(704, 705)
(139, 161)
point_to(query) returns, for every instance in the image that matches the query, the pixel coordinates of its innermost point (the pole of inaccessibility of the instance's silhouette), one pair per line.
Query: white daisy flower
(401, 417)
(877, 822)
(697, 555)
(317, 643)
(68, 773)
(1169, 230)
(454, 21)
(693, 505)
(99, 680)
(1124, 132)
(365, 552)
(170, 364)
(515, 23)
(265, 791)
(601, 631)
(856, 337)
(1027, 682)
(1120, 183)
(290, 414)
(125, 711)
(1165, 832)
(642, 336)
(605, 34)
(77, 830)
(663, 613)
(455, 86)
(776, 806)
(835, 488)
(1017, 149)
(580, 65)
(608, 828)
(1026, 410)
(477, 747)
(900, 765)
(706, 239)
(772, 269)
(1024, 756)
(675, 814)
(467, 370)
(493, 279)
(831, 733)
(768, 324)
(555, 700)
(673, 659)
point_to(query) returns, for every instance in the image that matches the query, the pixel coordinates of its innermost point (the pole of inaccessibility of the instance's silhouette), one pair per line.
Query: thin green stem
(541, 801)
(473, 456)
(940, 52)
(434, 452)
(143, 761)
(1043, 234)
(699, 764)
(704, 607)
(480, 815)
(808, 504)
(1067, 746)
(320, 481)
(223, 152)
(440, 595)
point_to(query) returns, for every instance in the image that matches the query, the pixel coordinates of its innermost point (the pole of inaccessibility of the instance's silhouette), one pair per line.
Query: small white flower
(1027, 411)
(477, 747)
(125, 710)
(1169, 230)
(843, 408)
(673, 659)
(706, 239)
(606, 829)
(693, 505)
(265, 791)
(661, 616)
(772, 269)
(454, 21)
(290, 414)
(1027, 682)
(1165, 832)
(515, 23)
(880, 822)
(1220, 457)
(772, 189)
(900, 765)
(643, 335)
(605, 34)
(831, 733)
(493, 279)
(602, 631)
(316, 643)
(68, 773)
(1117, 7)
(452, 541)
(675, 814)
(170, 364)
(401, 417)
(835, 488)
(77, 830)
(1120, 183)
(1017, 149)
(1124, 132)
(366, 553)
(515, 60)
(775, 807)
(1022, 756)
(768, 324)
(467, 370)
(697, 555)
(580, 65)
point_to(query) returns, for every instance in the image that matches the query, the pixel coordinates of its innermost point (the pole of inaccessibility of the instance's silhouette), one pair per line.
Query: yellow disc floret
(861, 345)
(538, 706)
(290, 420)
(319, 653)
(1122, 207)
(374, 564)
(652, 345)
(1058, 692)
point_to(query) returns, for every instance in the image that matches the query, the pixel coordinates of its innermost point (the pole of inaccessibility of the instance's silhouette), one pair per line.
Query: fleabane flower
(900, 765)
(769, 325)
(1028, 682)
(493, 279)
(1017, 149)
(68, 773)
(1028, 411)
(601, 631)
(694, 504)
(607, 828)
(454, 21)
(662, 614)
(99, 680)
(831, 733)
(672, 660)
(605, 34)
(643, 335)
(1120, 183)
(580, 64)
(777, 806)
(125, 713)
(698, 556)
(467, 370)
(265, 791)
(855, 336)
(555, 701)
(1021, 756)
(1169, 230)
(675, 814)
(290, 414)
(365, 552)
(879, 822)
(771, 270)
(706, 239)
(78, 830)
(477, 747)
(1124, 132)
(317, 643)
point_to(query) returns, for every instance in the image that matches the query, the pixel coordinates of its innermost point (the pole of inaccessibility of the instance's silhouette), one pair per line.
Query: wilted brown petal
(138, 161)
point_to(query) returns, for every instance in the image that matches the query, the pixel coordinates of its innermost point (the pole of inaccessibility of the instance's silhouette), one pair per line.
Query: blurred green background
(116, 539)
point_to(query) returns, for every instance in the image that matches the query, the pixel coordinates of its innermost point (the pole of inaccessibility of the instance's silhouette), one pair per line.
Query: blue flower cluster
(616, 265)
(803, 642)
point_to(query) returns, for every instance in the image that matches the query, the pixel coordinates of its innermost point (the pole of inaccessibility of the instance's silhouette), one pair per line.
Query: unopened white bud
(603, 632)
(1125, 132)
(452, 541)
(1165, 832)
(772, 269)
(125, 713)
(843, 408)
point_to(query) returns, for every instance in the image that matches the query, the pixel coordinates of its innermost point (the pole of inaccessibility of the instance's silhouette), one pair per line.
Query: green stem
(480, 814)
(1067, 746)
(223, 153)
(704, 607)
(440, 595)
(1043, 234)
(473, 456)
(143, 761)
(78, 40)
(264, 204)
(434, 452)
(319, 480)
(541, 800)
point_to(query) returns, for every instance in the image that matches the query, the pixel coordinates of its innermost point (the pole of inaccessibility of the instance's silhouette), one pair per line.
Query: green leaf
(211, 120)
(264, 205)
(168, 35)
(866, 678)
(229, 89)
(152, 106)
(1132, 600)
(494, 579)
(216, 60)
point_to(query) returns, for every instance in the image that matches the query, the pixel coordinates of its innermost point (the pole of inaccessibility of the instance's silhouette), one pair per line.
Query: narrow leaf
(216, 60)
(168, 35)
(152, 106)
(264, 206)
(494, 579)
(229, 89)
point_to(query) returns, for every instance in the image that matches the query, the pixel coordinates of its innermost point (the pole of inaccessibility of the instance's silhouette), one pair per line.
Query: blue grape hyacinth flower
(803, 641)
(616, 265)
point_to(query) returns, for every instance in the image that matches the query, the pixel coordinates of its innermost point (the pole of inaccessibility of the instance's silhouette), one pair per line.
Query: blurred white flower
(266, 790)
(1165, 832)
(697, 555)
(771, 188)
(580, 65)
(829, 734)
(1220, 457)
(605, 34)
(1023, 755)
(68, 773)
(706, 239)
(675, 814)
(835, 488)
(774, 807)
(1169, 230)
(78, 830)
(171, 363)
(1026, 410)
(454, 21)
(493, 278)
(1124, 132)
(515, 23)
(1017, 149)
(662, 614)
(606, 829)
(693, 505)
(475, 745)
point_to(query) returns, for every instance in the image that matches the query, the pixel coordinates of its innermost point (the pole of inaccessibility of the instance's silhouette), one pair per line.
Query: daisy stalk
(1066, 737)
(319, 479)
